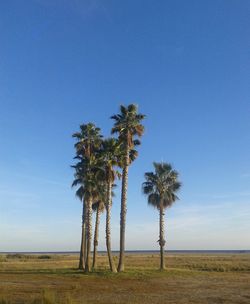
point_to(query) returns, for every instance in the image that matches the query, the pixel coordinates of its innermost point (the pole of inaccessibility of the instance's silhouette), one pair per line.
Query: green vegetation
(161, 187)
(21, 256)
(95, 174)
(45, 297)
(188, 279)
(87, 178)
(62, 278)
(128, 125)
(96, 170)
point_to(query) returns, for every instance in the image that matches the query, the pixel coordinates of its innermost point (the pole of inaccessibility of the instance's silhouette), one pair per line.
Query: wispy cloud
(13, 193)
(209, 215)
(43, 180)
(227, 195)
(231, 195)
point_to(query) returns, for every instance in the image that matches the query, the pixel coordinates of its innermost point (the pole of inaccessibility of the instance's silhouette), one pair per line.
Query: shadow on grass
(130, 272)
(64, 271)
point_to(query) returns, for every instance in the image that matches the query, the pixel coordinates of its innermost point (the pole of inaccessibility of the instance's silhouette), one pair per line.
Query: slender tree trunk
(86, 234)
(97, 222)
(82, 249)
(89, 236)
(108, 231)
(162, 240)
(123, 212)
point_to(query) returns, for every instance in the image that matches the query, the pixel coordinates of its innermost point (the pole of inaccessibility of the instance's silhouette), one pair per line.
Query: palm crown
(128, 124)
(88, 142)
(161, 186)
(88, 139)
(86, 179)
(109, 155)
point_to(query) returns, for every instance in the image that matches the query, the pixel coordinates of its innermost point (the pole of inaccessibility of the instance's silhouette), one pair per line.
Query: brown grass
(189, 278)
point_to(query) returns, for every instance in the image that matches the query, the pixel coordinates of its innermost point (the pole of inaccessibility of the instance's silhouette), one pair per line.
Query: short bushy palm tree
(128, 126)
(161, 187)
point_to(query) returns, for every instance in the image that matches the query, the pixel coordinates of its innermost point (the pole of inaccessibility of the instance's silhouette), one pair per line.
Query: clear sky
(185, 63)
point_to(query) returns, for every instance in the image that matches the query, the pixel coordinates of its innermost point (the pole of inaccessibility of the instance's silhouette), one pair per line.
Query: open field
(197, 278)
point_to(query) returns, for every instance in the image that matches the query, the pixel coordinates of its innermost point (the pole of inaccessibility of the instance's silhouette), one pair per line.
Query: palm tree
(161, 187)
(110, 154)
(88, 143)
(128, 125)
(98, 207)
(85, 176)
(80, 195)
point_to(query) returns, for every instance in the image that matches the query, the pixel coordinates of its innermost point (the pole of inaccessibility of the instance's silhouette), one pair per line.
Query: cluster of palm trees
(99, 162)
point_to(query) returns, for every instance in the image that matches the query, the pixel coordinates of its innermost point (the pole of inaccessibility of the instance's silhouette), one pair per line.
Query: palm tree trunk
(82, 248)
(123, 212)
(108, 231)
(86, 234)
(97, 222)
(162, 240)
(89, 235)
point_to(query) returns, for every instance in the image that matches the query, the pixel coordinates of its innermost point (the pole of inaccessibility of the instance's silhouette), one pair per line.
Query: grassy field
(189, 278)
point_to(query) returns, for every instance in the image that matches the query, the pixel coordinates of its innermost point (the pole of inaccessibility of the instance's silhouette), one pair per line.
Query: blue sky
(185, 63)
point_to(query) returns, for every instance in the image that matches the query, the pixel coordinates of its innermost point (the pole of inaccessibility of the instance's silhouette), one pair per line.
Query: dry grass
(188, 279)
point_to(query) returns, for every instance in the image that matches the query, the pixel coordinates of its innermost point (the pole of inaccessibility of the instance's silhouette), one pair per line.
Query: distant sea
(139, 252)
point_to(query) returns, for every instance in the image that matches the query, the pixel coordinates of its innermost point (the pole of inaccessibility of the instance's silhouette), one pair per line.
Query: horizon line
(131, 251)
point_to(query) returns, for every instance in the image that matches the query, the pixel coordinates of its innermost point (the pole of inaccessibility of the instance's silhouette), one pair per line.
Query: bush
(15, 256)
(44, 257)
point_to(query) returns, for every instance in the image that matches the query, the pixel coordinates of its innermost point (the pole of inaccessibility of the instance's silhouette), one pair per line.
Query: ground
(199, 278)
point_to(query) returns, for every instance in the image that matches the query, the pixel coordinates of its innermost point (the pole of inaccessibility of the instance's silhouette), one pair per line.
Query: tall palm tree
(161, 187)
(98, 207)
(110, 154)
(128, 125)
(88, 143)
(80, 195)
(85, 176)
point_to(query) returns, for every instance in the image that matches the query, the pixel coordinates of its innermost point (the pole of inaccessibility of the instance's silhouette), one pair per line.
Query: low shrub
(44, 257)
